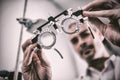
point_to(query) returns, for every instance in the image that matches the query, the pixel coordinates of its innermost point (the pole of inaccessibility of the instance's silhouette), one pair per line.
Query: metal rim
(77, 28)
(40, 41)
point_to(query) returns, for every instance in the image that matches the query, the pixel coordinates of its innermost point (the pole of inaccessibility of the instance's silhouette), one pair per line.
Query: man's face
(82, 42)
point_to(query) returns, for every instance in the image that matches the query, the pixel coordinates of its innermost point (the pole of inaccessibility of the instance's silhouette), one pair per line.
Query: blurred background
(68, 68)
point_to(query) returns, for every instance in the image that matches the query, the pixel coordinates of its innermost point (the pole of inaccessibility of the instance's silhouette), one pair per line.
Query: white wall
(10, 30)
(62, 69)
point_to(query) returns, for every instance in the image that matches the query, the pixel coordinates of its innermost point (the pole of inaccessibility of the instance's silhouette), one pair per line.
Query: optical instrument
(45, 34)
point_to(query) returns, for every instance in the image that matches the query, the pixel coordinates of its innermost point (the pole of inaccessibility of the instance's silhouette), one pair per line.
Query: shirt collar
(111, 60)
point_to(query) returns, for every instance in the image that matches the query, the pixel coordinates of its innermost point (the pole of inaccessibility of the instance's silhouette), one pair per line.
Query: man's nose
(82, 43)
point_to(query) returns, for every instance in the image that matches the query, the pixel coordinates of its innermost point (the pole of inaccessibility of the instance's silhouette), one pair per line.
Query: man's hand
(35, 66)
(103, 8)
(109, 9)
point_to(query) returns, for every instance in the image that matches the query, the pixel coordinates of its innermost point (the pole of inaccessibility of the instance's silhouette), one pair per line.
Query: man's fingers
(104, 13)
(40, 68)
(29, 53)
(29, 49)
(26, 44)
(35, 63)
(36, 60)
(42, 57)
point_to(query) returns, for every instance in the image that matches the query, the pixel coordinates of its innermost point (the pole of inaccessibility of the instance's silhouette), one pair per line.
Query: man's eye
(84, 35)
(74, 40)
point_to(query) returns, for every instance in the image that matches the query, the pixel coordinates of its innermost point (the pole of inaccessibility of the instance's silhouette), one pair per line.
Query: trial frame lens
(47, 39)
(67, 23)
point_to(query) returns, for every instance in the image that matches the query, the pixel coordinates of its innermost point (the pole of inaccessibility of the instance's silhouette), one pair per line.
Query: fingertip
(86, 14)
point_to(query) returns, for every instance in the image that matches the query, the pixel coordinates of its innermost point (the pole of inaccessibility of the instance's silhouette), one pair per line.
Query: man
(109, 9)
(36, 67)
(101, 62)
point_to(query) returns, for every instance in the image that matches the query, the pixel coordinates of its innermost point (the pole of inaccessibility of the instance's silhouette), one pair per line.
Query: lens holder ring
(77, 23)
(40, 41)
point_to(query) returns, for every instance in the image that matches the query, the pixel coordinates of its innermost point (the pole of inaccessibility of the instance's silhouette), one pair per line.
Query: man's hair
(110, 32)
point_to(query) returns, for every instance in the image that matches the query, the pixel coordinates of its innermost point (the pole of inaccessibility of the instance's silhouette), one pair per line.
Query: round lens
(70, 25)
(47, 39)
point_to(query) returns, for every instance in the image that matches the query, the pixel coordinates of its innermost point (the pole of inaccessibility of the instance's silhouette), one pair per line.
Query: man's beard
(87, 52)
